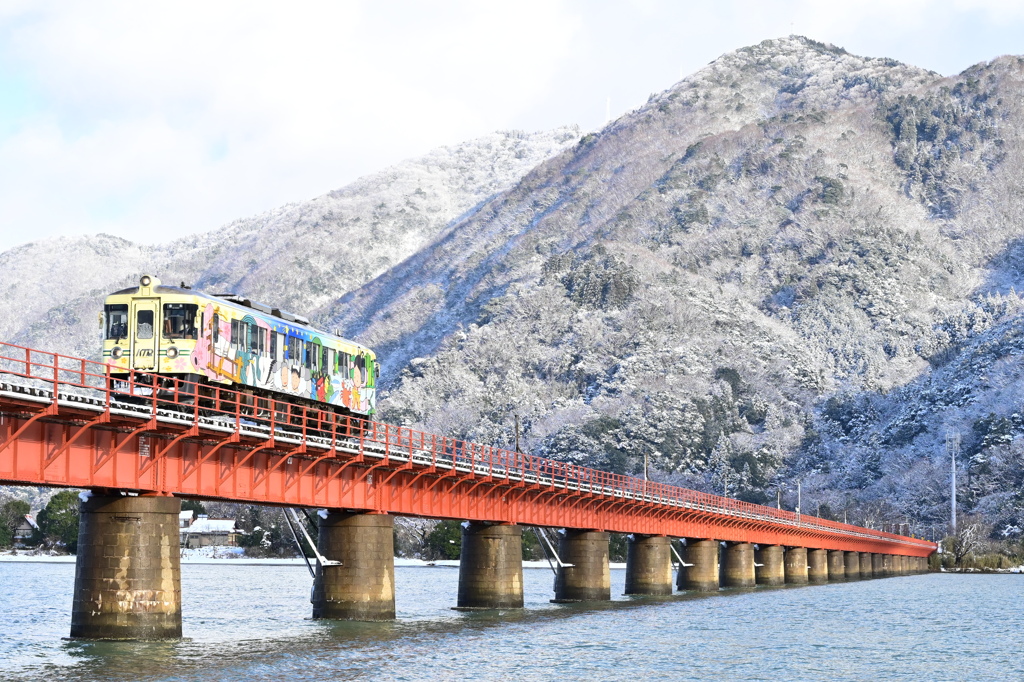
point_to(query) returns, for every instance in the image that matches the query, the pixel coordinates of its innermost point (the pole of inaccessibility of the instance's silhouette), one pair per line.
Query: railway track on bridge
(63, 422)
(74, 385)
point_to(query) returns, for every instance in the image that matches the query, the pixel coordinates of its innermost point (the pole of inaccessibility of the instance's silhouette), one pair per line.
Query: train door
(145, 327)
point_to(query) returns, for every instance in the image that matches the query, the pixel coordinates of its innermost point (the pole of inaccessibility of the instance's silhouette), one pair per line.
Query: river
(251, 623)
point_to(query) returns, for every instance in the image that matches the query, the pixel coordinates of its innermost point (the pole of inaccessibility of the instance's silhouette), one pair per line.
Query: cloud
(157, 119)
(174, 117)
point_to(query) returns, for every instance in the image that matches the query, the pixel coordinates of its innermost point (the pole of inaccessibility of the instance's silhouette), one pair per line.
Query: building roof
(211, 526)
(31, 521)
(185, 515)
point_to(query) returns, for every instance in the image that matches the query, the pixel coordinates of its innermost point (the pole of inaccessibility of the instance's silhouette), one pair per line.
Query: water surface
(251, 623)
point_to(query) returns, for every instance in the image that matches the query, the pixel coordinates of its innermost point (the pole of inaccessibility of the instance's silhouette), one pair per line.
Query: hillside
(298, 256)
(701, 282)
(796, 263)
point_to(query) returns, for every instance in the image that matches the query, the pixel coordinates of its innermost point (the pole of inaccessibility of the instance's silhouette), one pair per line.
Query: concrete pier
(836, 565)
(866, 568)
(363, 586)
(878, 565)
(770, 571)
(588, 578)
(901, 564)
(796, 565)
(127, 572)
(888, 561)
(852, 565)
(491, 567)
(702, 575)
(817, 566)
(738, 565)
(649, 565)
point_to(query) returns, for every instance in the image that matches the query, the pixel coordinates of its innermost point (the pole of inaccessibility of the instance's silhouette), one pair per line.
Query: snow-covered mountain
(796, 262)
(298, 256)
(704, 279)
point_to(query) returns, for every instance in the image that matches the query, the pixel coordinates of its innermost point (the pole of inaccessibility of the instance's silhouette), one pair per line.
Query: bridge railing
(77, 379)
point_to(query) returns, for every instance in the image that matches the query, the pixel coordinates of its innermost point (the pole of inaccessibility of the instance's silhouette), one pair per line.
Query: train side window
(330, 361)
(235, 333)
(308, 354)
(180, 320)
(273, 344)
(264, 346)
(117, 321)
(215, 326)
(252, 344)
(144, 324)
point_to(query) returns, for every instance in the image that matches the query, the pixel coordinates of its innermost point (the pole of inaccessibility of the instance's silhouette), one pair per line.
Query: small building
(25, 530)
(185, 518)
(204, 532)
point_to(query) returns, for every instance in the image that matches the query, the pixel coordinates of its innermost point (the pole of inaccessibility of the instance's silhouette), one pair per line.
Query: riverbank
(235, 556)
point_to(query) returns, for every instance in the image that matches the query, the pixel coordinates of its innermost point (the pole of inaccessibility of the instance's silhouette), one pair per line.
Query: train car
(175, 332)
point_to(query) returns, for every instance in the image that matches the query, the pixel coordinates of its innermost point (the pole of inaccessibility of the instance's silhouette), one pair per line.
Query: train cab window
(180, 320)
(117, 321)
(144, 324)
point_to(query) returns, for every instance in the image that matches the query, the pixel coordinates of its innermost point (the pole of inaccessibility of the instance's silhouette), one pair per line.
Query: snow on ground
(235, 556)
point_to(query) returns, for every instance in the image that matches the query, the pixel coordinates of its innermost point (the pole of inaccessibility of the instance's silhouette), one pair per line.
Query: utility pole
(953, 450)
(798, 500)
(517, 433)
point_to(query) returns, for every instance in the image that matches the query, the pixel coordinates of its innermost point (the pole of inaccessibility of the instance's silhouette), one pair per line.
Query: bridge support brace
(128, 572)
(770, 571)
(363, 586)
(836, 566)
(491, 567)
(702, 574)
(738, 565)
(649, 565)
(867, 567)
(796, 566)
(588, 577)
(817, 566)
(852, 567)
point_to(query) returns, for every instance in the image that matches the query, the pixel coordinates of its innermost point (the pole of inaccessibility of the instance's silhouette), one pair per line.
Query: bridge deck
(60, 425)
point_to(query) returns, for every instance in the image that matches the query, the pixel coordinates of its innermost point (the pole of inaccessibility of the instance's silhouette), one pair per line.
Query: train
(170, 333)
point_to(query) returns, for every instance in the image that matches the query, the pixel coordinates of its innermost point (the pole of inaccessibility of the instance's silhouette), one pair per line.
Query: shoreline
(237, 560)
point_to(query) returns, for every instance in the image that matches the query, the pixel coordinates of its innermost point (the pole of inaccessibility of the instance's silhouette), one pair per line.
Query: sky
(154, 120)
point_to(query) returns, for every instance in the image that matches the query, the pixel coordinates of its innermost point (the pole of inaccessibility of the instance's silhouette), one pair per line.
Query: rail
(44, 377)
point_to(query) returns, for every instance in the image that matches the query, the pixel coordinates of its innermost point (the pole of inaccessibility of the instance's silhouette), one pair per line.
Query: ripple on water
(251, 623)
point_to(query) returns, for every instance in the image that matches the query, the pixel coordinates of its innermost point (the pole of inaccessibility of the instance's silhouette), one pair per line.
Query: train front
(151, 329)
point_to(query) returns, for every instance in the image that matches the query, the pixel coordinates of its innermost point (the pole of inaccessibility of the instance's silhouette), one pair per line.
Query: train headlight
(116, 352)
(146, 280)
(172, 353)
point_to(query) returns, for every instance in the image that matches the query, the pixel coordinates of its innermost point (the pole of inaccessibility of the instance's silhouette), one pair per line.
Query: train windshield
(180, 320)
(117, 321)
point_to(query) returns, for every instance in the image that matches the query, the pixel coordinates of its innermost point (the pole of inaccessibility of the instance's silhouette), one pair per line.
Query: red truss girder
(322, 460)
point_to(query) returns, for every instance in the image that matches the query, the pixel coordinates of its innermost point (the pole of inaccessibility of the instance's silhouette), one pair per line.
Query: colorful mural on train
(232, 341)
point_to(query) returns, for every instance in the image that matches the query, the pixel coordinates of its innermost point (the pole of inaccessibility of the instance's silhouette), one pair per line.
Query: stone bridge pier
(491, 567)
(362, 587)
(586, 575)
(649, 565)
(128, 571)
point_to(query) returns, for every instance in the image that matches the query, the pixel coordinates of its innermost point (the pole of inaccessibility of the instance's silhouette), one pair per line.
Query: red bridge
(140, 451)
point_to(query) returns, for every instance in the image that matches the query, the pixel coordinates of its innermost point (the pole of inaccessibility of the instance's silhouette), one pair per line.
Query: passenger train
(227, 340)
